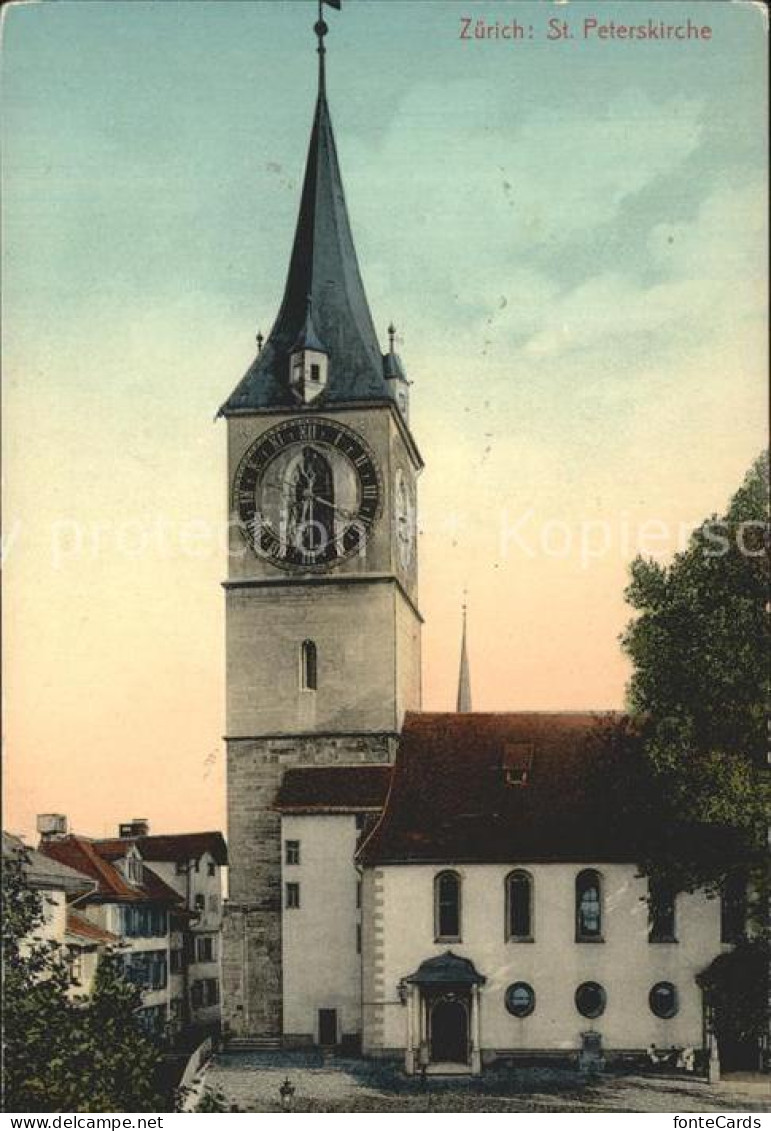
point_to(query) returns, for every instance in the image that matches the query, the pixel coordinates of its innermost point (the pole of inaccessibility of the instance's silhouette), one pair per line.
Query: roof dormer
(308, 362)
(133, 868)
(518, 762)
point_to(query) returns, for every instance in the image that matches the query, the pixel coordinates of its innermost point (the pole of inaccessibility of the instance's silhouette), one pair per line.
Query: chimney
(51, 825)
(137, 826)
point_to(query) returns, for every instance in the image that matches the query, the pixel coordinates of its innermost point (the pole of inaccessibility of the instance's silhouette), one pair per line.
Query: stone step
(253, 1044)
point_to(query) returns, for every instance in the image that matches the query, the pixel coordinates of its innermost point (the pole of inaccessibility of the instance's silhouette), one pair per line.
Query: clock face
(404, 519)
(307, 494)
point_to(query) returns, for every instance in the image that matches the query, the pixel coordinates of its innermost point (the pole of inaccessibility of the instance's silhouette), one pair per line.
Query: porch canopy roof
(447, 969)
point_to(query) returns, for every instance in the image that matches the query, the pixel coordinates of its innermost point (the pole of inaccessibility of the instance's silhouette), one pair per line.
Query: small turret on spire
(391, 336)
(464, 677)
(259, 341)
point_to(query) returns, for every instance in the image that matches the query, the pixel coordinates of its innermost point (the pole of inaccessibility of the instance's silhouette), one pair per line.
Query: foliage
(62, 1053)
(700, 693)
(214, 1100)
(736, 984)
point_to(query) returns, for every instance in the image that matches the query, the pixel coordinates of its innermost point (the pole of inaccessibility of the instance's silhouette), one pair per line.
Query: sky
(569, 235)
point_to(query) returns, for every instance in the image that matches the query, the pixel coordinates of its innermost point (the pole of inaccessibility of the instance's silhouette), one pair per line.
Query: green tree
(700, 694)
(60, 1053)
(696, 795)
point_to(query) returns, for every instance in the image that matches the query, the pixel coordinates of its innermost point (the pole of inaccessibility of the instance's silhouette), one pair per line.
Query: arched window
(588, 906)
(519, 906)
(309, 671)
(447, 907)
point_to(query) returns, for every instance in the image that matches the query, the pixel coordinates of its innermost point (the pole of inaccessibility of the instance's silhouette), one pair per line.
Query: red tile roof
(458, 794)
(333, 789)
(84, 929)
(86, 856)
(169, 847)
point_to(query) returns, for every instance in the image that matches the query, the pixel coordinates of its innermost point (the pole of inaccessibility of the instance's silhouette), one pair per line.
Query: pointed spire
(464, 678)
(322, 266)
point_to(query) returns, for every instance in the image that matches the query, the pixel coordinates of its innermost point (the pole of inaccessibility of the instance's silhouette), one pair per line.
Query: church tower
(322, 620)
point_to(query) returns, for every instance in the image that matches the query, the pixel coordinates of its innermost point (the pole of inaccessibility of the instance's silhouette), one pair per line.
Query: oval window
(591, 999)
(520, 999)
(663, 1000)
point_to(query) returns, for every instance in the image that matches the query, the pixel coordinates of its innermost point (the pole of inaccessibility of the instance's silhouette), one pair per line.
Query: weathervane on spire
(321, 29)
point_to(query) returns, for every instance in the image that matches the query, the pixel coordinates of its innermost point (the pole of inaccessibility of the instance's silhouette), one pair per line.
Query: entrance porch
(443, 1032)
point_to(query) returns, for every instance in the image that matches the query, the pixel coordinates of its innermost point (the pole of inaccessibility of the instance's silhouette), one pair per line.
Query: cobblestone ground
(332, 1084)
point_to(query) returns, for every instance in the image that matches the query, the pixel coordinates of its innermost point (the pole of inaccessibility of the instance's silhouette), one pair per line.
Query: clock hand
(350, 515)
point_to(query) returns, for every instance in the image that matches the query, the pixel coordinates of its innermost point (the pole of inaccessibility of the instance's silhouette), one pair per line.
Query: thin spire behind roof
(464, 677)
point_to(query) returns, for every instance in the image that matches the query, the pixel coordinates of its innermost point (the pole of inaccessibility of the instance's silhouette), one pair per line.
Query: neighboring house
(191, 865)
(160, 899)
(132, 904)
(56, 883)
(85, 941)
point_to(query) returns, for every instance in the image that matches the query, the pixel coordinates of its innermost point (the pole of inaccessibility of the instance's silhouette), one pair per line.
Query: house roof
(83, 930)
(85, 855)
(333, 789)
(499, 788)
(169, 847)
(44, 873)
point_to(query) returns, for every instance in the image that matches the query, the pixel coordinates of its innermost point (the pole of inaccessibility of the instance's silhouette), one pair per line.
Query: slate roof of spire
(323, 269)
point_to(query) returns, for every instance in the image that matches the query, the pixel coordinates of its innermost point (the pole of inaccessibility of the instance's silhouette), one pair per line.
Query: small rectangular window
(358, 938)
(200, 902)
(315, 373)
(358, 893)
(205, 949)
(292, 896)
(292, 851)
(180, 867)
(212, 868)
